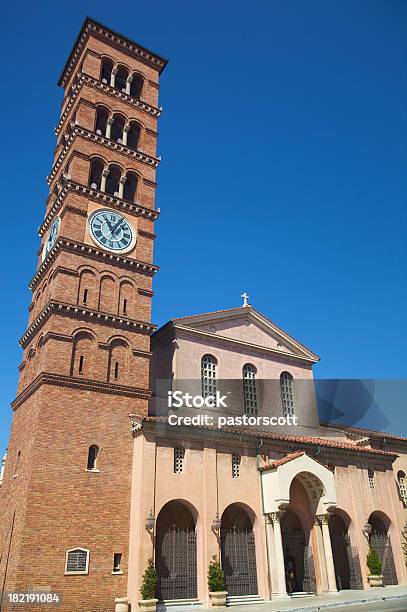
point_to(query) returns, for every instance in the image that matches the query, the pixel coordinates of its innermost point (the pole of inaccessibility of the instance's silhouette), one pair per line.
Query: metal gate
(382, 545)
(176, 564)
(346, 562)
(298, 558)
(238, 553)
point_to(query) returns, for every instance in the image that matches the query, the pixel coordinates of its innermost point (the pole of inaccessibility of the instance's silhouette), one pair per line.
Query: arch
(126, 299)
(87, 294)
(130, 186)
(102, 116)
(95, 172)
(113, 180)
(133, 135)
(107, 294)
(380, 540)
(118, 360)
(346, 559)
(209, 365)
(93, 452)
(238, 550)
(106, 68)
(121, 77)
(137, 85)
(82, 354)
(118, 123)
(176, 551)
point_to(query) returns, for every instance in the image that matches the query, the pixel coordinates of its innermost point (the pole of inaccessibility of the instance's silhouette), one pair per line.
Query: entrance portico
(298, 494)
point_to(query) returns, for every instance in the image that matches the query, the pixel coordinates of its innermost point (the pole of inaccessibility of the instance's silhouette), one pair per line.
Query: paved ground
(391, 599)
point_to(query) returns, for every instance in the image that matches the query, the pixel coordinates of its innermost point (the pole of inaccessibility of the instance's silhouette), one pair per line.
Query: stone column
(103, 180)
(125, 133)
(274, 533)
(329, 560)
(113, 77)
(109, 127)
(128, 83)
(121, 185)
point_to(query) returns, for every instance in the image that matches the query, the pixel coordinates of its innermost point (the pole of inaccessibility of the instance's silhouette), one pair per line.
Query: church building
(105, 468)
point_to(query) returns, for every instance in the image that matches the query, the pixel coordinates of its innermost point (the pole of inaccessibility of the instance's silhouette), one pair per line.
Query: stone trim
(147, 234)
(76, 247)
(77, 130)
(55, 307)
(82, 78)
(75, 210)
(46, 378)
(114, 39)
(95, 195)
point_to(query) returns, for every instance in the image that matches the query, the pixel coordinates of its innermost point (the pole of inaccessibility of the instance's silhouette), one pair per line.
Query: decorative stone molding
(84, 79)
(46, 378)
(72, 310)
(77, 130)
(79, 248)
(95, 195)
(122, 43)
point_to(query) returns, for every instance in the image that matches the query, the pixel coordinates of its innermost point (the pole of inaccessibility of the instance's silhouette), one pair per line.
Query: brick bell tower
(65, 497)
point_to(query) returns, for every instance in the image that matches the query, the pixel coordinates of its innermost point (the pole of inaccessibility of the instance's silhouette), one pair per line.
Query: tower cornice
(84, 313)
(114, 39)
(86, 384)
(79, 248)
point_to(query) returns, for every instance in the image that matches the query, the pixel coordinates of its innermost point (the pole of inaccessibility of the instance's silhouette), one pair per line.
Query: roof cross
(245, 299)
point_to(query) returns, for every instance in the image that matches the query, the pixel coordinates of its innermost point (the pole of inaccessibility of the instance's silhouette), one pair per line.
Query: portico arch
(346, 558)
(380, 540)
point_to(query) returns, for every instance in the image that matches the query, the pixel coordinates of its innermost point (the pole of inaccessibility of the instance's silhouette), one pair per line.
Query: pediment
(247, 326)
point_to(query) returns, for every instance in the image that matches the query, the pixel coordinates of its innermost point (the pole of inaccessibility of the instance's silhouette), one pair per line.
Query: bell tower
(65, 497)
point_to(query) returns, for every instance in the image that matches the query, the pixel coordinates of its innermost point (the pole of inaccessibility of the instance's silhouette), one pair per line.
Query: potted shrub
(216, 583)
(148, 603)
(375, 566)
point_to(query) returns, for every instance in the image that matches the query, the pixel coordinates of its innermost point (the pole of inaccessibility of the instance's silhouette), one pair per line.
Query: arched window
(121, 79)
(235, 465)
(113, 180)
(116, 132)
(102, 115)
(287, 395)
(95, 175)
(92, 457)
(130, 186)
(77, 561)
(133, 135)
(250, 389)
(401, 480)
(208, 375)
(371, 478)
(106, 72)
(136, 86)
(179, 454)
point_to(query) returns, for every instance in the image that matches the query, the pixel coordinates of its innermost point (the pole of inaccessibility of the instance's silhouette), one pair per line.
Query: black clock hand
(106, 218)
(114, 228)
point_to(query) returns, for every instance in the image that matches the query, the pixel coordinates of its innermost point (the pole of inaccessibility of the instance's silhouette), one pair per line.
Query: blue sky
(284, 167)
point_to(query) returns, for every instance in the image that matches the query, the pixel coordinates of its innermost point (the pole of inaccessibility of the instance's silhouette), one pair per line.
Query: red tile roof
(270, 435)
(363, 431)
(282, 461)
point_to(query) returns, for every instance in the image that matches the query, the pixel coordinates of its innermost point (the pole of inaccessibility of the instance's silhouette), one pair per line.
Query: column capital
(323, 518)
(129, 78)
(274, 517)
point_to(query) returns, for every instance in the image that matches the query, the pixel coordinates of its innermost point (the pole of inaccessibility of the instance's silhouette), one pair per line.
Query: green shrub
(216, 576)
(149, 581)
(374, 563)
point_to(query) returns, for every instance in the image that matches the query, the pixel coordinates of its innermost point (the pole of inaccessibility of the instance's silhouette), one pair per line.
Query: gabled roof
(194, 323)
(282, 461)
(94, 28)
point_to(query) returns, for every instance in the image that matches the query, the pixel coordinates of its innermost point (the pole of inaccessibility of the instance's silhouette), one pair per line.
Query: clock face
(111, 231)
(52, 237)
